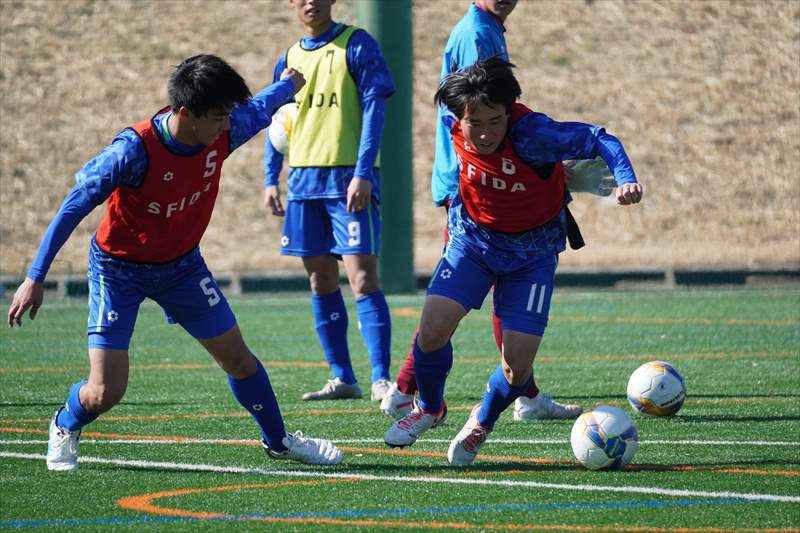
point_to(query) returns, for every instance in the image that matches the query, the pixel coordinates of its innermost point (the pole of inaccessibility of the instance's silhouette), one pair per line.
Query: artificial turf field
(180, 454)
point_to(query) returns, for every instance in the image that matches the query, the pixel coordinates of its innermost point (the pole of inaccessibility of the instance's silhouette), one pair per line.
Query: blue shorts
(324, 227)
(184, 288)
(522, 287)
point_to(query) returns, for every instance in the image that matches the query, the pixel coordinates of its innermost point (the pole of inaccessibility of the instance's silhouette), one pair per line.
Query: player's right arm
(122, 162)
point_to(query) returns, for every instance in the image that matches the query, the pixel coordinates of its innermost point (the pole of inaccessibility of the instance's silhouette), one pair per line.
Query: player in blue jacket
(479, 35)
(508, 224)
(333, 196)
(160, 180)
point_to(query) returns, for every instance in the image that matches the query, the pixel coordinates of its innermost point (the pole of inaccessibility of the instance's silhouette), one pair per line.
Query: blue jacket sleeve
(273, 159)
(123, 162)
(249, 119)
(538, 139)
(369, 70)
(370, 142)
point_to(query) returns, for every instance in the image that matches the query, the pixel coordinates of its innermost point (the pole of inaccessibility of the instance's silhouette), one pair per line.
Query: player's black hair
(489, 82)
(205, 82)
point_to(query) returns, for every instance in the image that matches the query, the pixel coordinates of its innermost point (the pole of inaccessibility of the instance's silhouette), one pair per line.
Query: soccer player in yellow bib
(333, 192)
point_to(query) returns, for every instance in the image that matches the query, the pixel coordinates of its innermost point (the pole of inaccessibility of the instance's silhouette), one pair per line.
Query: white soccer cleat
(408, 429)
(465, 446)
(396, 404)
(307, 450)
(542, 407)
(379, 389)
(335, 389)
(62, 447)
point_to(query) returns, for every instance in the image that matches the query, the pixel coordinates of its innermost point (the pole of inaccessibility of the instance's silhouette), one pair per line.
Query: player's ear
(183, 113)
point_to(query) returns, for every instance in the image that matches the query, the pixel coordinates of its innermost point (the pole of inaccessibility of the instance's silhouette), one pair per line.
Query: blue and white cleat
(62, 447)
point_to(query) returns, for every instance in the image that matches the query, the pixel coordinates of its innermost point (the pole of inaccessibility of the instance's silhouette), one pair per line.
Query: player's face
(484, 126)
(313, 13)
(207, 128)
(499, 8)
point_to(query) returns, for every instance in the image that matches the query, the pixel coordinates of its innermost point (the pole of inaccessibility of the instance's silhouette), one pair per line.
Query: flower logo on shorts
(334, 316)
(112, 316)
(257, 407)
(285, 240)
(446, 273)
(168, 176)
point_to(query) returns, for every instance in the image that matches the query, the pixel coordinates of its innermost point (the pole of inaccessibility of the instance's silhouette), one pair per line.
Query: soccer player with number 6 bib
(160, 178)
(508, 224)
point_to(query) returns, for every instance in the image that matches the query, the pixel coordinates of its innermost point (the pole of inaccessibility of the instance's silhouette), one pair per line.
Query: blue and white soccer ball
(604, 437)
(656, 389)
(280, 130)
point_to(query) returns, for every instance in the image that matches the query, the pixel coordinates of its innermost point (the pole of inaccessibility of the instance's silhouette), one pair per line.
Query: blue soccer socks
(498, 396)
(256, 395)
(431, 369)
(375, 324)
(330, 321)
(74, 416)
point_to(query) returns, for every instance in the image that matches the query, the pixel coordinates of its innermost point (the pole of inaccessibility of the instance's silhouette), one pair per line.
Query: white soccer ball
(656, 389)
(280, 130)
(604, 437)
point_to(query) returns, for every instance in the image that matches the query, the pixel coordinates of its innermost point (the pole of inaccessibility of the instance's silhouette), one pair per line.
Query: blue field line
(378, 512)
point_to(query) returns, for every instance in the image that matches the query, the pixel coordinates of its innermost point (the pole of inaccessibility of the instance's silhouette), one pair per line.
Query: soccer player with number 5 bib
(160, 178)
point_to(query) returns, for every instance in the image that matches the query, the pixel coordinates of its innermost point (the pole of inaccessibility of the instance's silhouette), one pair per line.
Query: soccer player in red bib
(507, 224)
(160, 179)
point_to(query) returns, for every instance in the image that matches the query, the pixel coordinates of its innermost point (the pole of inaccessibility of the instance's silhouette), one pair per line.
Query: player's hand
(272, 200)
(589, 175)
(359, 193)
(296, 76)
(29, 295)
(630, 193)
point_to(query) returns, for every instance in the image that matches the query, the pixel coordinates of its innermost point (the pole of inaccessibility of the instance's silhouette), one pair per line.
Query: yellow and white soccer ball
(604, 437)
(656, 389)
(280, 130)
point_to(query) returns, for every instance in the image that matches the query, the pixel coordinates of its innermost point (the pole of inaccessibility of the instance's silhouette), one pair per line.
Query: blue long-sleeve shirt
(368, 69)
(540, 140)
(124, 162)
(477, 36)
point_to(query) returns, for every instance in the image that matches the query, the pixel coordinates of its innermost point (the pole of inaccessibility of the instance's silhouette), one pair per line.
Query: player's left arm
(250, 118)
(366, 64)
(540, 140)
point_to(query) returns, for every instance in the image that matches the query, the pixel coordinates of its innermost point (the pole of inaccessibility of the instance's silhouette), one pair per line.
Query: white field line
(186, 467)
(432, 441)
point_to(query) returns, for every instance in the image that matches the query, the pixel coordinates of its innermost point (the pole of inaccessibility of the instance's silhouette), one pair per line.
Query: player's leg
(433, 359)
(114, 298)
(308, 234)
(510, 380)
(331, 323)
(459, 283)
(399, 399)
(357, 238)
(534, 404)
(193, 299)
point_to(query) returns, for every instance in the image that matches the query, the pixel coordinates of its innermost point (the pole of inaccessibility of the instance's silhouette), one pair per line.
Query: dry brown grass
(704, 94)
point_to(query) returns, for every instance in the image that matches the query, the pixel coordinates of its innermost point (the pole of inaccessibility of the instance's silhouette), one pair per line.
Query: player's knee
(241, 367)
(364, 281)
(432, 336)
(323, 283)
